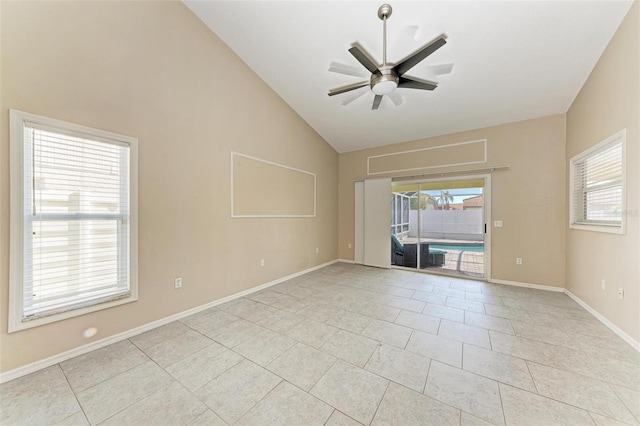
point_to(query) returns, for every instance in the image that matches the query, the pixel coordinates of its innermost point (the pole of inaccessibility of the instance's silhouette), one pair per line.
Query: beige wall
(530, 197)
(154, 71)
(609, 101)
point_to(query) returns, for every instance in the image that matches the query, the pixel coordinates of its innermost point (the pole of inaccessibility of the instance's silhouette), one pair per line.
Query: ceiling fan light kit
(385, 82)
(385, 79)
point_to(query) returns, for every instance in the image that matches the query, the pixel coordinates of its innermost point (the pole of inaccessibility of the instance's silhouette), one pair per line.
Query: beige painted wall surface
(529, 197)
(610, 101)
(154, 71)
(266, 189)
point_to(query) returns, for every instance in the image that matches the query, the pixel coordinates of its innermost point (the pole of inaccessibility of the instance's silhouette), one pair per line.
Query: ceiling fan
(385, 79)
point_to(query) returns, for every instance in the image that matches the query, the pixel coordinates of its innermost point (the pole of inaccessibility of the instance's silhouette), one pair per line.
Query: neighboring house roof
(472, 202)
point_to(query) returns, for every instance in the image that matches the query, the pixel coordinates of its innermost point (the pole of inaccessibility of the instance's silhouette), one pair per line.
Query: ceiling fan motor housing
(385, 82)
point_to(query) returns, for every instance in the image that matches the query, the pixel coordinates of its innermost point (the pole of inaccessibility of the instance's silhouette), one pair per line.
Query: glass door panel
(439, 226)
(403, 230)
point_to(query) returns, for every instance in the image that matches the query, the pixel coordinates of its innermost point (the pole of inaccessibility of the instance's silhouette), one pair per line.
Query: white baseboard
(55, 359)
(47, 362)
(528, 285)
(624, 336)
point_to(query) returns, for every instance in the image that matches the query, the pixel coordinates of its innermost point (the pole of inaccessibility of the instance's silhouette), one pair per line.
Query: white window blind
(76, 223)
(597, 190)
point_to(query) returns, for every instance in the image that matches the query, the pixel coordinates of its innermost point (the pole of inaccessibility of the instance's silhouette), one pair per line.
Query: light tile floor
(349, 345)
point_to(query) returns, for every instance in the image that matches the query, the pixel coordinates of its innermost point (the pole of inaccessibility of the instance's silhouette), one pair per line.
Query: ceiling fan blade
(376, 102)
(348, 88)
(353, 95)
(359, 53)
(407, 34)
(440, 69)
(413, 59)
(345, 69)
(406, 39)
(413, 83)
(396, 98)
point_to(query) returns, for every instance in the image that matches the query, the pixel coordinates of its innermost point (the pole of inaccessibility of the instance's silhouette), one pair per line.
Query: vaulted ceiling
(512, 60)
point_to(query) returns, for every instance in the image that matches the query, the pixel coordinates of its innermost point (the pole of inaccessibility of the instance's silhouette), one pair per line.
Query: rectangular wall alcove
(464, 153)
(261, 188)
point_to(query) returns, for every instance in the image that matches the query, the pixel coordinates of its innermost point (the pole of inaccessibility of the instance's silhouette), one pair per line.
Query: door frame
(486, 205)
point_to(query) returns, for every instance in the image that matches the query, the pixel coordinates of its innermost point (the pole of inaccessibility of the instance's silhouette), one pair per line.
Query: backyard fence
(448, 224)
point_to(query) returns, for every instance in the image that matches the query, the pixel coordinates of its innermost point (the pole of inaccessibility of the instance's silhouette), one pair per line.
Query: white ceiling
(513, 60)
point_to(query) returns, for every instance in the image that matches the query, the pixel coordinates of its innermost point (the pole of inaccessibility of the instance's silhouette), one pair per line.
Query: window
(598, 186)
(73, 220)
(400, 215)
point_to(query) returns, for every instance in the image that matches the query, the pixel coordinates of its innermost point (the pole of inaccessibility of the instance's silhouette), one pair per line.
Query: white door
(359, 223)
(377, 220)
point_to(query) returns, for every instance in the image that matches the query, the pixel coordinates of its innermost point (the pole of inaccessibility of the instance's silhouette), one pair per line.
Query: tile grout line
(256, 403)
(147, 396)
(213, 378)
(535, 386)
(490, 342)
(504, 417)
(330, 415)
(551, 398)
(625, 405)
(554, 366)
(322, 377)
(75, 395)
(380, 402)
(462, 360)
(424, 388)
(122, 372)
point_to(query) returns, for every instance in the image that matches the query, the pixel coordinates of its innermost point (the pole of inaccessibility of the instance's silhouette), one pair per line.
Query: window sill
(606, 229)
(16, 325)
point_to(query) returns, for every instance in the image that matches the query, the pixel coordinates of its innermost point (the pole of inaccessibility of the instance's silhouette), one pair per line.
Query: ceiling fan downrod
(384, 12)
(386, 80)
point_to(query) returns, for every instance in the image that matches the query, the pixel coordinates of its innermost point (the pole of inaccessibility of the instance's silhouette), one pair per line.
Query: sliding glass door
(439, 226)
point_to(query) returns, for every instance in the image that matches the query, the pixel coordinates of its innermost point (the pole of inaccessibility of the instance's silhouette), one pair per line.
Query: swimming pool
(459, 247)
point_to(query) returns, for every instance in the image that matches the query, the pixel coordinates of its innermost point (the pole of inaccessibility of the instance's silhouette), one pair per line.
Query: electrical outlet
(518, 261)
(317, 250)
(603, 284)
(497, 224)
(261, 262)
(178, 282)
(621, 293)
(349, 245)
